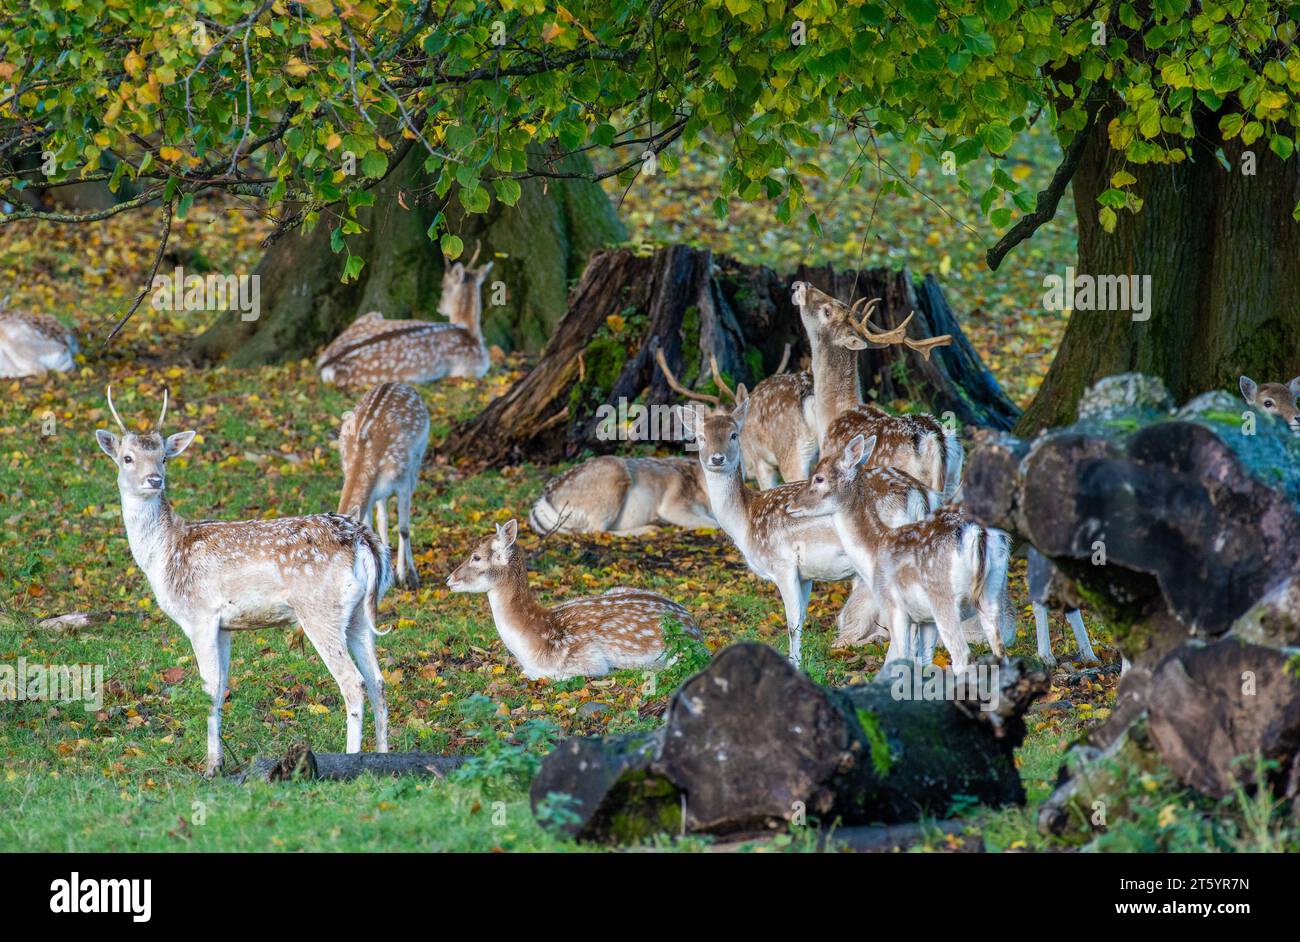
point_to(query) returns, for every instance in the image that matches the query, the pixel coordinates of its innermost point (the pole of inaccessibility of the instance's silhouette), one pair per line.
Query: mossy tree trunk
(540, 245)
(1220, 246)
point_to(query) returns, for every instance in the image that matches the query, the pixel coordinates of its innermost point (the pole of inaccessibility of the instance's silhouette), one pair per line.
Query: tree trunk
(691, 304)
(751, 743)
(1220, 246)
(540, 244)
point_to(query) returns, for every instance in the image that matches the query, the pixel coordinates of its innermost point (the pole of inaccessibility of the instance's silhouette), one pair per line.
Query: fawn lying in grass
(622, 629)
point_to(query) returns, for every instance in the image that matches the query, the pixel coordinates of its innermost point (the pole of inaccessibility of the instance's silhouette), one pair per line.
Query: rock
(1122, 395)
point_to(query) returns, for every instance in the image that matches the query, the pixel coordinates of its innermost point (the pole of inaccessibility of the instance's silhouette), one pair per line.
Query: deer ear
(738, 414)
(107, 442)
(1248, 388)
(483, 272)
(178, 443)
(687, 416)
(507, 533)
(742, 393)
(1294, 386)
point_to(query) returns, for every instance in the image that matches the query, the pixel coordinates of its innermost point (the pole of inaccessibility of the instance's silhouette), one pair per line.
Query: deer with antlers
(778, 442)
(374, 349)
(917, 444)
(34, 344)
(327, 572)
(1277, 399)
(622, 629)
(921, 572)
(791, 551)
(382, 443)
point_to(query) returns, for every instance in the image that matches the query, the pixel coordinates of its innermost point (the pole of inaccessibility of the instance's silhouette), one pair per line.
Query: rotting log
(301, 763)
(750, 743)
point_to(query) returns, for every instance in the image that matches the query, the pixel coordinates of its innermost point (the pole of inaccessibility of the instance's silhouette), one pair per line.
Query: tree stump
(693, 305)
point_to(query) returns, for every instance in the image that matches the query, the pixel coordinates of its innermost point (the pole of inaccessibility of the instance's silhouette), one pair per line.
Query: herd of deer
(867, 496)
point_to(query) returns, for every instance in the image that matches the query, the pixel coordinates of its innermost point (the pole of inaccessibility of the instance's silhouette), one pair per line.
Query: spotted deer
(792, 552)
(327, 572)
(382, 443)
(374, 349)
(917, 444)
(34, 344)
(921, 572)
(1275, 399)
(778, 442)
(624, 496)
(622, 629)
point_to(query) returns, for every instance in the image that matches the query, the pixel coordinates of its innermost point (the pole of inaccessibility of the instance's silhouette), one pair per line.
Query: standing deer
(624, 496)
(779, 442)
(790, 551)
(374, 349)
(924, 571)
(622, 629)
(382, 445)
(917, 444)
(1275, 399)
(32, 344)
(327, 572)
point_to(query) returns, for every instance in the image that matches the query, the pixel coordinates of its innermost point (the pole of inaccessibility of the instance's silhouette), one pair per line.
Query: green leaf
(508, 190)
(451, 245)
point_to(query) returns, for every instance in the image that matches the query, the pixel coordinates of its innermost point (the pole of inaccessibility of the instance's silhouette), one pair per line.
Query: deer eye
(477, 558)
(127, 459)
(1268, 403)
(819, 479)
(733, 436)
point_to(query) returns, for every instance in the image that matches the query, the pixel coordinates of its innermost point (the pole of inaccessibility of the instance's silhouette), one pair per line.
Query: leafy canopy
(308, 104)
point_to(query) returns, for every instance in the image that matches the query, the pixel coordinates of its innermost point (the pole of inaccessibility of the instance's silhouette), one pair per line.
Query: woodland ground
(126, 777)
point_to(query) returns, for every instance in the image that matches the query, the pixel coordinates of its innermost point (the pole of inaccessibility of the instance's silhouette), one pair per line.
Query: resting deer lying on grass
(624, 496)
(921, 572)
(622, 629)
(382, 444)
(1274, 398)
(917, 444)
(779, 441)
(792, 552)
(327, 572)
(374, 349)
(33, 344)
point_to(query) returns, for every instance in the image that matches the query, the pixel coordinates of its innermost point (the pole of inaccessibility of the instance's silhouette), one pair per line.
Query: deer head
(718, 434)
(493, 560)
(1275, 398)
(141, 457)
(461, 286)
(827, 489)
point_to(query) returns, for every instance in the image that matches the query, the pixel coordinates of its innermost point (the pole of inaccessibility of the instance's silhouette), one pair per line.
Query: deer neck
(358, 494)
(151, 528)
(835, 382)
(860, 532)
(522, 622)
(730, 499)
(467, 312)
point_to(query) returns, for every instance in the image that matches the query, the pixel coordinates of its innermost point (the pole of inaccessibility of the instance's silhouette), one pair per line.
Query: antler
(717, 379)
(678, 387)
(478, 247)
(863, 328)
(108, 391)
(162, 415)
(785, 359)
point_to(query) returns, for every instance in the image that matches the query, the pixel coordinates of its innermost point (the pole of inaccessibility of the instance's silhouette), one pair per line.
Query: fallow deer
(624, 496)
(917, 444)
(1040, 577)
(779, 442)
(793, 552)
(1275, 399)
(382, 443)
(33, 344)
(924, 571)
(374, 349)
(622, 629)
(327, 572)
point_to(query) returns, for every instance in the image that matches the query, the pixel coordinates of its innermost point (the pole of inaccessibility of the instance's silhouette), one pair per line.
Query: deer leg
(766, 475)
(948, 619)
(900, 633)
(207, 642)
(381, 519)
(927, 639)
(325, 635)
(1042, 630)
(991, 622)
(794, 593)
(361, 642)
(406, 573)
(1075, 618)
